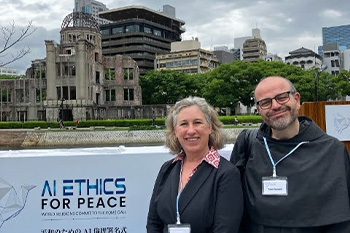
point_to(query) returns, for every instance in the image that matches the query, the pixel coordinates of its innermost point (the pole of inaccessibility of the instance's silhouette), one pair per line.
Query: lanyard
(178, 197)
(273, 162)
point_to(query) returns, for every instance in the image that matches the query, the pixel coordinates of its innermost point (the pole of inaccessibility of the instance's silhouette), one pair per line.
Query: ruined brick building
(75, 81)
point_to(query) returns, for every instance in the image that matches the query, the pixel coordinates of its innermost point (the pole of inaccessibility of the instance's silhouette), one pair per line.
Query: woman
(198, 188)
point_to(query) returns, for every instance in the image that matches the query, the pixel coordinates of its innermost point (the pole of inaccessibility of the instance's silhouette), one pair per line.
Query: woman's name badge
(179, 228)
(274, 186)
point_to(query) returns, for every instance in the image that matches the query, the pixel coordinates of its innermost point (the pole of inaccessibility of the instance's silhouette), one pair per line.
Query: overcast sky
(285, 25)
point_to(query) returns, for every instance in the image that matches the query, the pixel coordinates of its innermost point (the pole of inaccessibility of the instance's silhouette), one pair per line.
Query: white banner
(92, 190)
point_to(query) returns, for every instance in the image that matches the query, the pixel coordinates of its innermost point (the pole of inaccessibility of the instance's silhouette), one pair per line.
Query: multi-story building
(336, 41)
(91, 7)
(337, 35)
(224, 55)
(140, 33)
(254, 49)
(238, 46)
(304, 58)
(332, 58)
(8, 71)
(74, 81)
(187, 56)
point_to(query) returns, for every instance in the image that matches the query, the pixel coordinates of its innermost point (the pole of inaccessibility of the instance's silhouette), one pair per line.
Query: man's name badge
(274, 186)
(179, 228)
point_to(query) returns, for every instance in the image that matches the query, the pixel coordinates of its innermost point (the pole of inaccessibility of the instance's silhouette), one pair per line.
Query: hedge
(134, 123)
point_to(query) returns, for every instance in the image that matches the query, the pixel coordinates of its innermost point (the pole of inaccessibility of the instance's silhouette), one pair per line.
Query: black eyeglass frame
(275, 98)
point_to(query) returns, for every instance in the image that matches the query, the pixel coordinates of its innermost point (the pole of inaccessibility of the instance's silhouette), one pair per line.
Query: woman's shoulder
(226, 166)
(168, 164)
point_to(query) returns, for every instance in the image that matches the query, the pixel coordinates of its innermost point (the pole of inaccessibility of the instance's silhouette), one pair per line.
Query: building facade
(304, 58)
(91, 7)
(337, 35)
(336, 43)
(332, 58)
(254, 49)
(8, 71)
(140, 33)
(224, 55)
(74, 81)
(187, 56)
(238, 47)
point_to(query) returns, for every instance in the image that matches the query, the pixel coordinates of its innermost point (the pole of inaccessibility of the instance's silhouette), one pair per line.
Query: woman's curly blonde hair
(217, 138)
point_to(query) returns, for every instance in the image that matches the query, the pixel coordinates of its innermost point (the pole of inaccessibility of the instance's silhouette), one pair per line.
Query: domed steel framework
(79, 19)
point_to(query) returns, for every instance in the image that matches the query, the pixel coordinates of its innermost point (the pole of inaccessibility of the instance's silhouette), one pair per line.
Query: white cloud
(330, 13)
(285, 25)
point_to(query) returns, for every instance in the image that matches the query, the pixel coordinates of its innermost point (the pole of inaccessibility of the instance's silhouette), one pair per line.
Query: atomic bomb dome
(79, 20)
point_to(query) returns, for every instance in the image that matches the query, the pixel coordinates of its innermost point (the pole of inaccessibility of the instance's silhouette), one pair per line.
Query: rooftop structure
(140, 33)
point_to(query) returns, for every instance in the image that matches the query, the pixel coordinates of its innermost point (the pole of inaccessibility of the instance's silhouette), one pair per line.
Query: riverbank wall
(76, 138)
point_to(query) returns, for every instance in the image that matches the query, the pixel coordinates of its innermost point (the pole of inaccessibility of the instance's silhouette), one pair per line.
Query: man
(296, 178)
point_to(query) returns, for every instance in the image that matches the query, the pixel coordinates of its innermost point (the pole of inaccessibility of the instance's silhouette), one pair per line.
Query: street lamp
(323, 67)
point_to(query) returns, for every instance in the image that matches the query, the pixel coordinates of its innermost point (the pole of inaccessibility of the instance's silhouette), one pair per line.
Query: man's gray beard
(283, 122)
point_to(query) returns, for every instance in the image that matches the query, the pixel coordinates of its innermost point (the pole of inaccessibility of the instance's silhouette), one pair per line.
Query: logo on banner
(83, 198)
(12, 201)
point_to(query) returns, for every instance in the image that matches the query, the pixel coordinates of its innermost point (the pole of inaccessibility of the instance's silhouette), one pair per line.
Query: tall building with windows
(140, 33)
(188, 57)
(91, 7)
(332, 58)
(254, 49)
(336, 43)
(238, 46)
(337, 35)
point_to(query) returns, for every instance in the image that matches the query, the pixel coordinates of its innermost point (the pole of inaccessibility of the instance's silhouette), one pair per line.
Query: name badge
(179, 228)
(274, 186)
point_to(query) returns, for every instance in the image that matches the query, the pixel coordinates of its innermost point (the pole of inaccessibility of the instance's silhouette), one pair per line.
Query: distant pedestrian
(77, 123)
(62, 126)
(236, 120)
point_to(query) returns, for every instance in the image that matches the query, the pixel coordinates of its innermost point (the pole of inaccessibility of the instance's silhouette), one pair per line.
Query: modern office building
(140, 33)
(304, 58)
(337, 35)
(254, 49)
(91, 7)
(186, 56)
(336, 43)
(74, 81)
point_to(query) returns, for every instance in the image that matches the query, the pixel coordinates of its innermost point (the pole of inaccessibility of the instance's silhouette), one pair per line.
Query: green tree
(168, 86)
(342, 83)
(220, 85)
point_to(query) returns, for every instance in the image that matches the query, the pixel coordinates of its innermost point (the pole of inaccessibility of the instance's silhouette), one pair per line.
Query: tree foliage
(11, 37)
(229, 84)
(168, 86)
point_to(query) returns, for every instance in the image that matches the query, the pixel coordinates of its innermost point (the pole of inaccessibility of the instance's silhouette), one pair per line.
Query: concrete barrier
(72, 138)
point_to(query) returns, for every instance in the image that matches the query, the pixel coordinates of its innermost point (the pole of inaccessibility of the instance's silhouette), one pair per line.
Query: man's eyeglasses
(280, 98)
